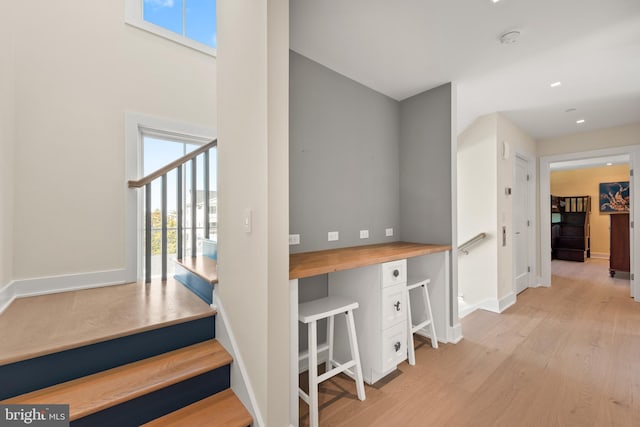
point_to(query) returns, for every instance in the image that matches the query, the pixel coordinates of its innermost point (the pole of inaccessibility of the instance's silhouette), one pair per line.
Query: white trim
(456, 334)
(539, 283)
(531, 213)
(490, 304)
(7, 295)
(293, 352)
(633, 151)
(137, 124)
(506, 301)
(54, 284)
(600, 255)
(241, 384)
(133, 16)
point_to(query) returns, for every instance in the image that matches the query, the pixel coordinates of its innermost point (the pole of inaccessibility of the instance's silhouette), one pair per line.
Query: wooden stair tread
(44, 324)
(202, 266)
(105, 389)
(223, 409)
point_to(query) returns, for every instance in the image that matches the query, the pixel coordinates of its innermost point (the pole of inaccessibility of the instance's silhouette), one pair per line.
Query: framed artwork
(614, 197)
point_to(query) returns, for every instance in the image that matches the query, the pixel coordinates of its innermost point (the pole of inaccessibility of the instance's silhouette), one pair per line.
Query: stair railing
(161, 174)
(466, 246)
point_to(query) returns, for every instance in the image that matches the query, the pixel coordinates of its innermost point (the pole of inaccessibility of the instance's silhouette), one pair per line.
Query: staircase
(170, 371)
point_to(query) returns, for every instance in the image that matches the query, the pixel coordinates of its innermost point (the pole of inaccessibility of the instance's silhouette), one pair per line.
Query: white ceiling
(404, 47)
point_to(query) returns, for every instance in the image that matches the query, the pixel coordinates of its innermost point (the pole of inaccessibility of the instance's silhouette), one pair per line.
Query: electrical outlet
(388, 232)
(364, 234)
(332, 236)
(294, 239)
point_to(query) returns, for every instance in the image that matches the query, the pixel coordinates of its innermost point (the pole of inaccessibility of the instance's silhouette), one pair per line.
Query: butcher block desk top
(309, 264)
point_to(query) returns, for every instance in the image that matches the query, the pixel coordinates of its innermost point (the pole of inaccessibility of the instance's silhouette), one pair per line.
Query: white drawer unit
(381, 291)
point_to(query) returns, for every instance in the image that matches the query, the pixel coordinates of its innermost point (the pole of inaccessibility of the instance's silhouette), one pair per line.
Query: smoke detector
(510, 37)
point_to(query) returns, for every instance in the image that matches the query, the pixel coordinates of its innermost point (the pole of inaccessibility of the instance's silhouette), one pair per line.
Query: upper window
(188, 22)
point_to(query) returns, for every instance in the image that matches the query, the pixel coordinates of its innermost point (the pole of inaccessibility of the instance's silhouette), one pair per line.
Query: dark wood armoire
(619, 259)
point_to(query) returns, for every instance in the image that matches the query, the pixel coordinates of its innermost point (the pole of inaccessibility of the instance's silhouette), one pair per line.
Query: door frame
(531, 213)
(633, 151)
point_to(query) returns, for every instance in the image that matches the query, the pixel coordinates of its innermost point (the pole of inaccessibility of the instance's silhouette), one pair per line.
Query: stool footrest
(335, 371)
(420, 325)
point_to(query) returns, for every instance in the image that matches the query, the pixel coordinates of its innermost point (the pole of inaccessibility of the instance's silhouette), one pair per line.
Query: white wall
(7, 138)
(519, 143)
(78, 68)
(477, 210)
(485, 276)
(618, 136)
(253, 173)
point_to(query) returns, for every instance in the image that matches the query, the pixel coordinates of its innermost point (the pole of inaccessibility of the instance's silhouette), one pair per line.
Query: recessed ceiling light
(569, 110)
(495, 1)
(609, 164)
(509, 37)
(581, 121)
(556, 84)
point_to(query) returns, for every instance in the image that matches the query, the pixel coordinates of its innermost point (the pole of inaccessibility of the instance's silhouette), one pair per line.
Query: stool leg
(330, 342)
(353, 343)
(313, 374)
(410, 349)
(432, 326)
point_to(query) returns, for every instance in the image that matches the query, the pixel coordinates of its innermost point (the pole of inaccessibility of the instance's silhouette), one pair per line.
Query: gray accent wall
(343, 159)
(425, 167)
(359, 160)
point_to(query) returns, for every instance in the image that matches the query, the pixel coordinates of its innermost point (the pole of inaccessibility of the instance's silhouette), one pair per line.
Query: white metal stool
(326, 308)
(428, 321)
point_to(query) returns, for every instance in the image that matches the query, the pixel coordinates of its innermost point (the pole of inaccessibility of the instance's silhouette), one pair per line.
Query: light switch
(247, 220)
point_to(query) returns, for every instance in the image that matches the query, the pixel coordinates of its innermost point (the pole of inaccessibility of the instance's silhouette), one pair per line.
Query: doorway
(594, 159)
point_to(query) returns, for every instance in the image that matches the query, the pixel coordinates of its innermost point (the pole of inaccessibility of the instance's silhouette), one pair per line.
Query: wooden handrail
(168, 168)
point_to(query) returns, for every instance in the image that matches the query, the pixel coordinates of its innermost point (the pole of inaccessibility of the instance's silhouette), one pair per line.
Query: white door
(521, 225)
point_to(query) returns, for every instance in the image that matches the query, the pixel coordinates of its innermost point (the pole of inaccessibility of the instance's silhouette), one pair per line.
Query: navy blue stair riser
(161, 402)
(44, 371)
(194, 283)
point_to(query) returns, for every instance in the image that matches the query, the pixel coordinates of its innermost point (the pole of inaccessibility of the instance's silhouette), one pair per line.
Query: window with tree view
(157, 153)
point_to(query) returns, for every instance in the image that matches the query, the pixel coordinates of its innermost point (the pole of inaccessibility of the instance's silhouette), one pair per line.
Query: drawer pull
(396, 272)
(397, 346)
(397, 305)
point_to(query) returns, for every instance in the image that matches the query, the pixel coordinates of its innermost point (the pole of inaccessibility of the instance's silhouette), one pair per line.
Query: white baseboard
(54, 284)
(490, 304)
(506, 301)
(240, 382)
(455, 334)
(540, 283)
(7, 296)
(464, 309)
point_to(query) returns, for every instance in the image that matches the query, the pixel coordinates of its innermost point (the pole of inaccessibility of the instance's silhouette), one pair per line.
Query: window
(188, 22)
(152, 143)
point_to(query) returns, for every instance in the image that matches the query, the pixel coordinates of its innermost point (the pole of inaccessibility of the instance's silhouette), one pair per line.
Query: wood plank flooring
(40, 325)
(568, 355)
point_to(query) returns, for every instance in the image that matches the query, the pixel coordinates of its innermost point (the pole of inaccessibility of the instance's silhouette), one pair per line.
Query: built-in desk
(424, 260)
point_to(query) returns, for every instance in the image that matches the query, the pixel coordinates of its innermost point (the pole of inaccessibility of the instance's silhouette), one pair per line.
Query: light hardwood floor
(568, 355)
